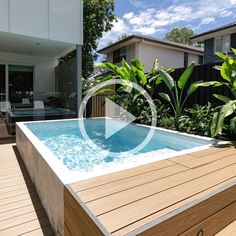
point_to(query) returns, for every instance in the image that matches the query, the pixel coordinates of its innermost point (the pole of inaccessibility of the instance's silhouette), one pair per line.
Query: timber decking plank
(105, 179)
(185, 220)
(194, 163)
(16, 192)
(17, 198)
(121, 185)
(215, 223)
(45, 231)
(20, 211)
(212, 150)
(113, 201)
(26, 227)
(22, 219)
(230, 230)
(150, 205)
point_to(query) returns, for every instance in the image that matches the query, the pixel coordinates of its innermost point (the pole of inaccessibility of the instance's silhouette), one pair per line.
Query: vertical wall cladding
(66, 82)
(233, 40)
(209, 54)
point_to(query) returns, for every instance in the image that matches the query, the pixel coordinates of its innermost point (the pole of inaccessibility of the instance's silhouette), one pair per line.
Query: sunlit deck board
(21, 212)
(129, 200)
(229, 230)
(4, 135)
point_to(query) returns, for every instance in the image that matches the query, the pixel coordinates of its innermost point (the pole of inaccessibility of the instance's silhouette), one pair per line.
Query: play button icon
(116, 119)
(113, 111)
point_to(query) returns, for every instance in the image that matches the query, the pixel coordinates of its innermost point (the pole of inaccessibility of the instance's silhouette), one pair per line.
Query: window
(119, 54)
(20, 83)
(222, 44)
(200, 60)
(185, 59)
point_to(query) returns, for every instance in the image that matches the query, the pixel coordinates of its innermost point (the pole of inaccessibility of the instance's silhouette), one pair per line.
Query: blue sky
(156, 18)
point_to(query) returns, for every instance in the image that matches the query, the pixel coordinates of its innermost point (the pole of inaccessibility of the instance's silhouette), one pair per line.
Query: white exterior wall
(57, 20)
(44, 71)
(169, 57)
(192, 57)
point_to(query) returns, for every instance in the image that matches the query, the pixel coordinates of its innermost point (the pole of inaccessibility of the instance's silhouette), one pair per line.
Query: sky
(156, 18)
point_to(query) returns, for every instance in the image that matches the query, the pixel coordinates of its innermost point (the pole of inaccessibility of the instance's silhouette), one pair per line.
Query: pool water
(66, 142)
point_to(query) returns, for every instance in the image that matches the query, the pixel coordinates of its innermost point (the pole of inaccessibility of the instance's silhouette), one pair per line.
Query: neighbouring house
(33, 35)
(147, 49)
(221, 39)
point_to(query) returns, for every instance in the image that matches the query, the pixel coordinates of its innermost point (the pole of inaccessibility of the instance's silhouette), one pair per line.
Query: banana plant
(228, 73)
(176, 97)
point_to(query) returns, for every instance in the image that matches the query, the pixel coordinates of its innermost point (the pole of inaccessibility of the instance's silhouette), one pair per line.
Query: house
(33, 35)
(147, 49)
(221, 39)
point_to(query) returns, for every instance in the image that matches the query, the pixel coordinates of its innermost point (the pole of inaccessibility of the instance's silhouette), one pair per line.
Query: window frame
(221, 38)
(118, 58)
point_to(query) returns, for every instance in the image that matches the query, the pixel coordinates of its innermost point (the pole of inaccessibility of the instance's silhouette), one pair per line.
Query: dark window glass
(2, 83)
(185, 59)
(119, 54)
(20, 83)
(200, 60)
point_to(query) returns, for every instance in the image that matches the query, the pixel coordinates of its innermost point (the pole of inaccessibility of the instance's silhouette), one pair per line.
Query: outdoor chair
(25, 101)
(38, 105)
(4, 107)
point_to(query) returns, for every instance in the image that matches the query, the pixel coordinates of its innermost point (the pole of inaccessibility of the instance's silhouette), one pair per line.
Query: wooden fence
(202, 96)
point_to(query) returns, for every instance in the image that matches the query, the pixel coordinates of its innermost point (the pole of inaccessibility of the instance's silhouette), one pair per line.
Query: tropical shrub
(198, 119)
(131, 99)
(176, 97)
(228, 110)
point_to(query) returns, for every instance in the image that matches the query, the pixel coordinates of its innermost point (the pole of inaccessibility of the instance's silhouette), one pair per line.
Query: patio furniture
(25, 101)
(31, 114)
(4, 107)
(38, 105)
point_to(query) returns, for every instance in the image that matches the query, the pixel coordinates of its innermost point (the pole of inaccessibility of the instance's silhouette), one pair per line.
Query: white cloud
(149, 20)
(207, 20)
(129, 15)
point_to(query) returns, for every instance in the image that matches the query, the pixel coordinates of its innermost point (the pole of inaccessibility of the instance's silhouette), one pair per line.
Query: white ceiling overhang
(14, 43)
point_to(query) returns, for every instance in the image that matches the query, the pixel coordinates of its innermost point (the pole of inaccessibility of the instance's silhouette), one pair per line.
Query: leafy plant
(167, 122)
(131, 99)
(176, 97)
(144, 111)
(228, 73)
(197, 119)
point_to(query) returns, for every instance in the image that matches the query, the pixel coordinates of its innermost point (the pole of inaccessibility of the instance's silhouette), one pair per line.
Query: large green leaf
(165, 96)
(233, 124)
(222, 98)
(194, 86)
(155, 67)
(219, 117)
(101, 79)
(186, 75)
(169, 81)
(136, 63)
(142, 76)
(225, 72)
(234, 50)
(221, 55)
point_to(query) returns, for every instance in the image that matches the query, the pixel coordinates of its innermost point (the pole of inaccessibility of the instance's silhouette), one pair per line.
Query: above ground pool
(92, 157)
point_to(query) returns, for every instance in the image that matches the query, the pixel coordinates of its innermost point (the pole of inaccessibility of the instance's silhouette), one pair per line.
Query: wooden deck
(21, 212)
(179, 196)
(5, 137)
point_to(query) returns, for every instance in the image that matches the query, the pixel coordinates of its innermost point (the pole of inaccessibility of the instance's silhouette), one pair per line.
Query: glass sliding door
(21, 84)
(2, 83)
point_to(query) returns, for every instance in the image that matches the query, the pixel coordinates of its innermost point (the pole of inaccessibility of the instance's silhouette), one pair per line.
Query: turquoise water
(65, 140)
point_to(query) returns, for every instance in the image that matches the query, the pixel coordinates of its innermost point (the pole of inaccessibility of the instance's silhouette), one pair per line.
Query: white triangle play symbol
(116, 112)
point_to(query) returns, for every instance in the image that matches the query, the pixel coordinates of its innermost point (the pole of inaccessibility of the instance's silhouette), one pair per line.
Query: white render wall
(44, 71)
(57, 20)
(169, 57)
